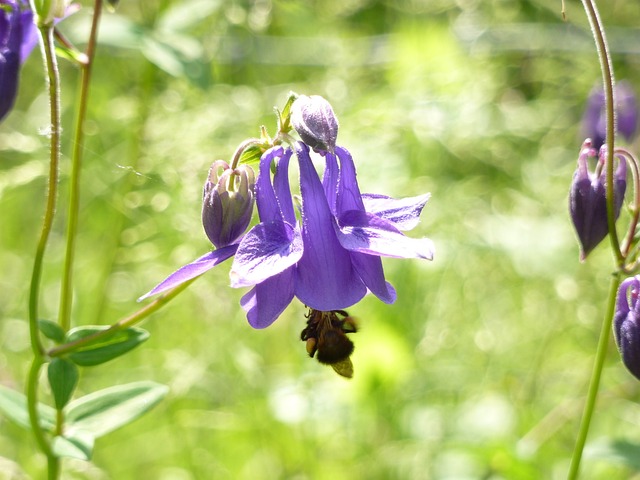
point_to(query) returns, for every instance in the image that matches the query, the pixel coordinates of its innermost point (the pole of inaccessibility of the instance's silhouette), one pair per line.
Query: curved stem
(66, 291)
(635, 213)
(121, 324)
(241, 148)
(607, 75)
(594, 384)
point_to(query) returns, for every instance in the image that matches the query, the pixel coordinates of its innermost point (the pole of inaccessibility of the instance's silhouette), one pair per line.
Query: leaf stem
(66, 291)
(121, 324)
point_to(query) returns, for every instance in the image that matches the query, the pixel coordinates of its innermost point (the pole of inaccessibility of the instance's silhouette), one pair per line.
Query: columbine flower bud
(315, 122)
(227, 203)
(626, 324)
(594, 121)
(588, 201)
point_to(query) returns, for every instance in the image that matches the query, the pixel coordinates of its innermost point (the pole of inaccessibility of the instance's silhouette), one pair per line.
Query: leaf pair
(88, 417)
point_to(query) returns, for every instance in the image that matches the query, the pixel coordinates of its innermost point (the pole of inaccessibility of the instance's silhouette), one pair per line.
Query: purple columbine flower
(331, 258)
(594, 121)
(227, 207)
(18, 36)
(588, 200)
(626, 324)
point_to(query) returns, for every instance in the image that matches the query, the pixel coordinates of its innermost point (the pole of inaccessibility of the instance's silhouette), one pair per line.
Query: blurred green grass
(480, 368)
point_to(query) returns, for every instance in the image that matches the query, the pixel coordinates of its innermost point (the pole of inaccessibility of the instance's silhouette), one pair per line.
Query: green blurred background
(478, 371)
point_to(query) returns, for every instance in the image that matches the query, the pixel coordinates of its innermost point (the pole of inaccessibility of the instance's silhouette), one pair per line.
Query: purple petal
(29, 35)
(193, 270)
(366, 233)
(282, 190)
(369, 267)
(325, 277)
(349, 197)
(330, 180)
(267, 300)
(266, 250)
(9, 74)
(265, 196)
(404, 213)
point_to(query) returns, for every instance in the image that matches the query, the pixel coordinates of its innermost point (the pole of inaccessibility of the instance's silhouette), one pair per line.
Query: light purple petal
(369, 267)
(325, 277)
(29, 34)
(193, 270)
(330, 180)
(404, 213)
(267, 300)
(349, 197)
(265, 196)
(266, 250)
(282, 190)
(366, 233)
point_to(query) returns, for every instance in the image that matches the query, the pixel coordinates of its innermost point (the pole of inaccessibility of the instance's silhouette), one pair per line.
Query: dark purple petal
(626, 324)
(326, 279)
(9, 74)
(267, 300)
(369, 267)
(404, 213)
(366, 233)
(266, 250)
(193, 270)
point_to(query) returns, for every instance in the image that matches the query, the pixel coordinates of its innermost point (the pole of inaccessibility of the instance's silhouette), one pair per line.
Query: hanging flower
(332, 257)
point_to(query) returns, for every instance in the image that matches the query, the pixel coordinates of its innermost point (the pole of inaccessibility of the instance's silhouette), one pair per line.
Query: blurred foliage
(478, 371)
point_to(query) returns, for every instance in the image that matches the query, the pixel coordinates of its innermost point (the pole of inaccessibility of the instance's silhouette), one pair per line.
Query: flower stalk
(66, 290)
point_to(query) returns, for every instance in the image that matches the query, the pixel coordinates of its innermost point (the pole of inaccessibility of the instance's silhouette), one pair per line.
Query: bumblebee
(326, 339)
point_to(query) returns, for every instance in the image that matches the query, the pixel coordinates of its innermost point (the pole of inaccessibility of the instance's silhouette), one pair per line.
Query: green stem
(594, 384)
(123, 323)
(53, 82)
(66, 291)
(602, 46)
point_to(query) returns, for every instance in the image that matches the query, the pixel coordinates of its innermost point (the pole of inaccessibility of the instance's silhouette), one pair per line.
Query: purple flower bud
(594, 121)
(588, 201)
(227, 203)
(626, 324)
(315, 122)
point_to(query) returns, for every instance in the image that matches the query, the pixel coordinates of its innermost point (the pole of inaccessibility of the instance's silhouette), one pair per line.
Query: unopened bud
(626, 324)
(227, 203)
(594, 120)
(315, 122)
(588, 199)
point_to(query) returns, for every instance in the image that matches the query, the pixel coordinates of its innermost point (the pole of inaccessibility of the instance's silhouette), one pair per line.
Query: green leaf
(51, 330)
(76, 444)
(251, 155)
(106, 410)
(14, 406)
(105, 348)
(63, 378)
